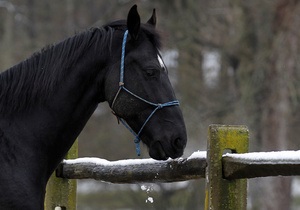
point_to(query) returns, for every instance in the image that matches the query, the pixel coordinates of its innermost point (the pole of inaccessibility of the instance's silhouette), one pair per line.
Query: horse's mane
(36, 78)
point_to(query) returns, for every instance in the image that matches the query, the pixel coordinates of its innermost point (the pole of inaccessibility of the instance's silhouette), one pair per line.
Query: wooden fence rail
(134, 171)
(235, 166)
(226, 174)
(261, 164)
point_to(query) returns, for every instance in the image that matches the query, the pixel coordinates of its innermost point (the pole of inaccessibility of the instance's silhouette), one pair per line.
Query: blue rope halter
(122, 87)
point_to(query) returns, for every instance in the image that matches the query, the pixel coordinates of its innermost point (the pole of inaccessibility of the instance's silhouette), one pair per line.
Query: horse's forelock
(146, 28)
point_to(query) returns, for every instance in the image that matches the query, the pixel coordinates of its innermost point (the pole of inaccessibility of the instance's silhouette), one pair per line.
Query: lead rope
(122, 87)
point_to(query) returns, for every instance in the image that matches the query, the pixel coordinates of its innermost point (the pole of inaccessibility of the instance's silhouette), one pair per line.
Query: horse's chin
(157, 152)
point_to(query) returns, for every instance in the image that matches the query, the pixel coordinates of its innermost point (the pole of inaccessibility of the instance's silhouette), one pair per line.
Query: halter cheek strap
(156, 106)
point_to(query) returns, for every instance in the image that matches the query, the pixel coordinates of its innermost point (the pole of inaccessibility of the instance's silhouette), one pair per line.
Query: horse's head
(141, 95)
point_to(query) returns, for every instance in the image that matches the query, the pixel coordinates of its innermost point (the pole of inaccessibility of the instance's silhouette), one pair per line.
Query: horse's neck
(72, 105)
(34, 140)
(47, 130)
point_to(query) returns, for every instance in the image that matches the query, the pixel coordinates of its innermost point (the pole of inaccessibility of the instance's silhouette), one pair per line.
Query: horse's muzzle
(161, 151)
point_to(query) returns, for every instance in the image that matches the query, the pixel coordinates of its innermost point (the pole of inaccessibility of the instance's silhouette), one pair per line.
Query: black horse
(46, 100)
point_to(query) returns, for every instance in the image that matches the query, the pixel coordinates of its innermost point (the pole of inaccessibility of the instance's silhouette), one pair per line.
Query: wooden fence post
(222, 194)
(61, 193)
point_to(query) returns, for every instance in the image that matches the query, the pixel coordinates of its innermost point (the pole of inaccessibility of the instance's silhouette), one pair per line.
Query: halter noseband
(122, 87)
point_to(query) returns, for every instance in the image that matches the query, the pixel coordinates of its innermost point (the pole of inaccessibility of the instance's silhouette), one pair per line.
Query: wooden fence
(225, 174)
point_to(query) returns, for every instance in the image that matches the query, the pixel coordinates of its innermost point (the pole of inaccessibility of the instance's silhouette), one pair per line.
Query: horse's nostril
(178, 144)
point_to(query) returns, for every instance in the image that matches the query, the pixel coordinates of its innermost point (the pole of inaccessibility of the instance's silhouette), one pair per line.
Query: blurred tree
(267, 53)
(8, 12)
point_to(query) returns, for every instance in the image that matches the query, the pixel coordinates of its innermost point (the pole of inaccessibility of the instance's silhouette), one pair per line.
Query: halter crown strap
(122, 87)
(121, 83)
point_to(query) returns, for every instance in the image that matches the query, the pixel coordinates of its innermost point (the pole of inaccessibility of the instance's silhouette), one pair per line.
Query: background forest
(230, 61)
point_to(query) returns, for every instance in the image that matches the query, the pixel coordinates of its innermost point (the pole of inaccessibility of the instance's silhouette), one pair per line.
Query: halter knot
(137, 140)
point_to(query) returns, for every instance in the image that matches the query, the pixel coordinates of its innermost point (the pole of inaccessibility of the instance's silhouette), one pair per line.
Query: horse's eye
(150, 72)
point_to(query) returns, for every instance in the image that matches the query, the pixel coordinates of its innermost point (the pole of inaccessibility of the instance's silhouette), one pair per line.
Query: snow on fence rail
(225, 174)
(235, 166)
(261, 164)
(136, 170)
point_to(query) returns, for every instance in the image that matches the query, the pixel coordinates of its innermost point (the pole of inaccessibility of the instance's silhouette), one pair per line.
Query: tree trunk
(7, 40)
(277, 113)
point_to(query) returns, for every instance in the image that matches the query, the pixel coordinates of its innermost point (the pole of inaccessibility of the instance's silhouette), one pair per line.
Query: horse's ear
(133, 22)
(152, 20)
